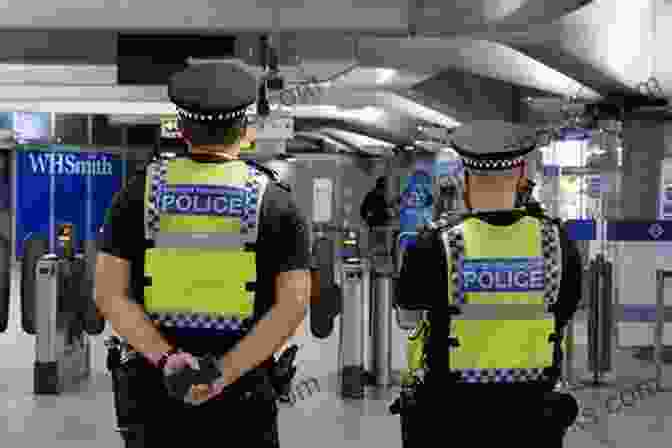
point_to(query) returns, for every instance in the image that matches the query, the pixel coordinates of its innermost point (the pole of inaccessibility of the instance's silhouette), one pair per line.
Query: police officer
(216, 256)
(515, 279)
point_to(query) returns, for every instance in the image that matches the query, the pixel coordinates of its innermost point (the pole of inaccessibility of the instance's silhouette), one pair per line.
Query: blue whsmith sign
(70, 164)
(59, 184)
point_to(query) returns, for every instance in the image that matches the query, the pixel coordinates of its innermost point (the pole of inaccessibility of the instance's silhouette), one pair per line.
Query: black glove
(179, 383)
(283, 373)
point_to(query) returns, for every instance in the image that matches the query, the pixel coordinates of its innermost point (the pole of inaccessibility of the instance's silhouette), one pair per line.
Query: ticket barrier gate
(325, 300)
(365, 348)
(59, 309)
(600, 319)
(354, 352)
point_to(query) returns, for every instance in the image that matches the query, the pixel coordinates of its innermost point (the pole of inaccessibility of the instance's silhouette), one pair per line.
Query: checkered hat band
(211, 117)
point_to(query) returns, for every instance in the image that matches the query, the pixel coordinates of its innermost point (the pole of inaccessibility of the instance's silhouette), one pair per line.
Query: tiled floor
(76, 419)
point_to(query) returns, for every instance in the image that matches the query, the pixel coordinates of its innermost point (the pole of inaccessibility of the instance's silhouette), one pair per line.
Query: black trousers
(246, 411)
(483, 417)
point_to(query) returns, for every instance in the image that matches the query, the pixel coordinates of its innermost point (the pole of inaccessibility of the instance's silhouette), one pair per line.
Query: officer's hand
(182, 373)
(200, 393)
(178, 361)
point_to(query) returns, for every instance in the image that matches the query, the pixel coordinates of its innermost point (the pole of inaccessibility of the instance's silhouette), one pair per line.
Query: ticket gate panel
(93, 323)
(62, 355)
(327, 305)
(33, 249)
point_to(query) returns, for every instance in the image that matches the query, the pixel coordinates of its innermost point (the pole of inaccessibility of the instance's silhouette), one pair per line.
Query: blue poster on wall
(57, 184)
(417, 201)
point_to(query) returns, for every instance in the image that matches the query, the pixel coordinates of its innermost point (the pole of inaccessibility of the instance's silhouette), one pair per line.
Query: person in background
(375, 208)
(375, 211)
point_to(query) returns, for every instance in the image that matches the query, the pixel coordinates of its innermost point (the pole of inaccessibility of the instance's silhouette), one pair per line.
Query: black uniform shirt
(282, 244)
(425, 264)
(423, 284)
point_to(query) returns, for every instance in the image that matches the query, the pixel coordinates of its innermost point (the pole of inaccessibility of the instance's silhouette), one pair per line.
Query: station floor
(85, 417)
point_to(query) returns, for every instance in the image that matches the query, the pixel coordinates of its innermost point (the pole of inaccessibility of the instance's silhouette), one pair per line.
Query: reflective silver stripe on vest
(453, 243)
(506, 311)
(255, 185)
(202, 240)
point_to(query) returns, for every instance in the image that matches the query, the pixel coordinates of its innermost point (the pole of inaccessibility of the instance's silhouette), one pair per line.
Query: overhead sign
(575, 134)
(586, 230)
(666, 203)
(56, 184)
(552, 170)
(639, 231)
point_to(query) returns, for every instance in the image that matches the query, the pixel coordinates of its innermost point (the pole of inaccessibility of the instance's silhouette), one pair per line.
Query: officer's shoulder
(549, 219)
(271, 174)
(446, 222)
(435, 229)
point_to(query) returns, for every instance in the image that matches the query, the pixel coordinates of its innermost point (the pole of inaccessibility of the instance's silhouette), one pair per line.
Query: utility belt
(552, 408)
(139, 386)
(540, 401)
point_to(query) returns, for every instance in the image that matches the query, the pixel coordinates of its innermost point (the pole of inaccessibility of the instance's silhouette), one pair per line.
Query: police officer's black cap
(494, 147)
(212, 93)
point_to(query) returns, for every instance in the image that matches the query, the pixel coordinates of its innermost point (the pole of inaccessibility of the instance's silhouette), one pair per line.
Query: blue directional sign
(637, 313)
(631, 230)
(581, 230)
(574, 134)
(639, 230)
(551, 170)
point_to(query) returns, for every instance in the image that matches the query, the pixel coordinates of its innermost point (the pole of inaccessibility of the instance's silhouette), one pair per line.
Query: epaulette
(271, 173)
(543, 216)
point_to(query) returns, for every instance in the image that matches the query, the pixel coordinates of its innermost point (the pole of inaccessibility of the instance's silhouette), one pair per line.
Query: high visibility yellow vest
(504, 280)
(203, 220)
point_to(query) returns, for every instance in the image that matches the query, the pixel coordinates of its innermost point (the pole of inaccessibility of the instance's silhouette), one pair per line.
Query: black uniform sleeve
(120, 235)
(423, 276)
(293, 251)
(572, 280)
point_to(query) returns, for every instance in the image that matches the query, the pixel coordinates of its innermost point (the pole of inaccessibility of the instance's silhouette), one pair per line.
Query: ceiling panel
(608, 44)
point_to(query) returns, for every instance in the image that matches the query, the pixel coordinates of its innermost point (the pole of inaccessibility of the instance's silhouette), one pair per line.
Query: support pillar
(644, 146)
(643, 154)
